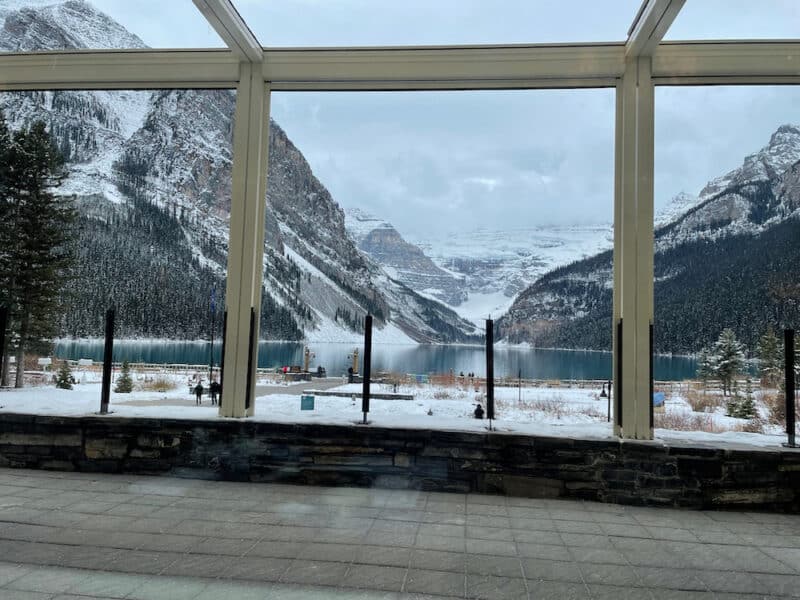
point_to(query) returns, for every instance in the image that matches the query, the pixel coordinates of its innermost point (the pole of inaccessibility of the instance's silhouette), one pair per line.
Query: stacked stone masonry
(625, 472)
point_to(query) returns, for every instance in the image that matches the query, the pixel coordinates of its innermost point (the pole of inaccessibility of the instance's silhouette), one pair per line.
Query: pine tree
(705, 366)
(770, 354)
(728, 359)
(124, 383)
(746, 408)
(64, 377)
(35, 235)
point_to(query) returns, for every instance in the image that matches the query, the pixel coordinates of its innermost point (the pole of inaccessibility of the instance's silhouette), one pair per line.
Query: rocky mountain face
(476, 272)
(726, 259)
(405, 262)
(151, 174)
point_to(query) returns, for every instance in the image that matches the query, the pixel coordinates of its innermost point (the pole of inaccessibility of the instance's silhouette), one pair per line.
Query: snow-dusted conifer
(770, 354)
(728, 359)
(35, 234)
(64, 377)
(124, 383)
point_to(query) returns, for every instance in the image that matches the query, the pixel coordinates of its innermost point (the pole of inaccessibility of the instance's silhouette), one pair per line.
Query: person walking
(214, 389)
(198, 392)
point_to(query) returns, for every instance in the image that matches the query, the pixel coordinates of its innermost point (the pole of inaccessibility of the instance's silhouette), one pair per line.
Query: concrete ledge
(680, 474)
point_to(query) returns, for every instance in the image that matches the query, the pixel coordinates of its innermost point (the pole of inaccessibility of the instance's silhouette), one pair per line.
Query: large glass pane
(138, 222)
(420, 22)
(27, 25)
(727, 247)
(433, 211)
(736, 19)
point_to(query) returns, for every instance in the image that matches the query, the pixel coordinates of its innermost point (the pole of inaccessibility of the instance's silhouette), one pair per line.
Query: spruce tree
(64, 377)
(746, 408)
(124, 382)
(728, 359)
(770, 354)
(705, 366)
(35, 235)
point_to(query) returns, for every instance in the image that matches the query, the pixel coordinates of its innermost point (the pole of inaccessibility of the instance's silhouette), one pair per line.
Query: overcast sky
(429, 161)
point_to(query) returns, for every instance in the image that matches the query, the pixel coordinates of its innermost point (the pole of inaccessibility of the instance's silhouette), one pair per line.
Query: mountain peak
(61, 25)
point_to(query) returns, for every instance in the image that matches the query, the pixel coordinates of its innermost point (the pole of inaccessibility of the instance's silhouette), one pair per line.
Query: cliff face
(151, 174)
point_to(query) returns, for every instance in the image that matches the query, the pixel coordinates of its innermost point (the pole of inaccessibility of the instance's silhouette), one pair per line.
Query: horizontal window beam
(446, 68)
(742, 60)
(134, 69)
(485, 67)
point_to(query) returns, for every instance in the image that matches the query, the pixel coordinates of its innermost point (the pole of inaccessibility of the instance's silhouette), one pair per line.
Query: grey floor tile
(168, 588)
(329, 552)
(383, 555)
(544, 551)
(499, 548)
(619, 575)
(49, 579)
(779, 585)
(448, 544)
(557, 590)
(7, 594)
(607, 556)
(437, 560)
(498, 566)
(665, 577)
(550, 570)
(614, 592)
(375, 577)
(435, 582)
(112, 585)
(10, 572)
(271, 548)
(315, 572)
(136, 561)
(490, 587)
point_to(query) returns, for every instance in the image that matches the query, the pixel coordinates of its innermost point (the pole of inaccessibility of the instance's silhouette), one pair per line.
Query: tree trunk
(5, 366)
(23, 332)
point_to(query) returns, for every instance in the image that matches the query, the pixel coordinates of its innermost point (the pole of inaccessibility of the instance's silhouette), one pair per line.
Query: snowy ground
(564, 412)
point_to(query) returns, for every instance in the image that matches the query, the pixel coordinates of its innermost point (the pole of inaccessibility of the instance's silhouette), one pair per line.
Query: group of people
(214, 389)
(471, 375)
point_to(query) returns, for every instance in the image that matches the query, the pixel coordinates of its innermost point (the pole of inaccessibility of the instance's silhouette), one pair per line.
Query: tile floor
(70, 536)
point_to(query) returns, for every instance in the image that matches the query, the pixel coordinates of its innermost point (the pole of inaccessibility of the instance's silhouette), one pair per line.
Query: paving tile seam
(256, 541)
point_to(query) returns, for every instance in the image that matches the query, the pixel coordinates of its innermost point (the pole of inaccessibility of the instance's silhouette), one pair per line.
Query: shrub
(159, 384)
(702, 402)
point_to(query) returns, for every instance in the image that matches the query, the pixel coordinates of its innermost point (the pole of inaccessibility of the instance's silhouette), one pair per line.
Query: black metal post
(519, 383)
(108, 353)
(610, 386)
(652, 383)
(788, 353)
(367, 366)
(222, 357)
(211, 352)
(3, 327)
(249, 387)
(618, 382)
(490, 371)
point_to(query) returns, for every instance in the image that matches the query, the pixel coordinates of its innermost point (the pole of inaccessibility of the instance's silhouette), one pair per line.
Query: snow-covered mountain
(727, 258)
(151, 175)
(497, 265)
(403, 261)
(477, 272)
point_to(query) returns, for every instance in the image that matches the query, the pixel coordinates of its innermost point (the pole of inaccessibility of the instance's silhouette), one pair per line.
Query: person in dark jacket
(478, 412)
(214, 389)
(198, 392)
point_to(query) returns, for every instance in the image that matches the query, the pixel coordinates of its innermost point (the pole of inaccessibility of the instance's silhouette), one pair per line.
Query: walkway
(71, 536)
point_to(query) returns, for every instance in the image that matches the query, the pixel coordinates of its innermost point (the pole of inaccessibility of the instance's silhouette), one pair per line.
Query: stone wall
(626, 472)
